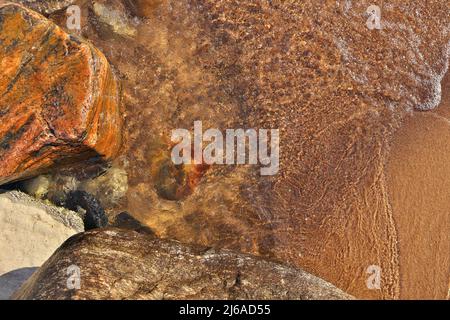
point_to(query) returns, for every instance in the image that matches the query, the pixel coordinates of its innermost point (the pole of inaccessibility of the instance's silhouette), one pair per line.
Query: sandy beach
(418, 183)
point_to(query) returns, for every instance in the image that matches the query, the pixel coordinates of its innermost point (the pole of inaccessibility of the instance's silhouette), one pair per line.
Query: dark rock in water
(95, 216)
(126, 221)
(119, 264)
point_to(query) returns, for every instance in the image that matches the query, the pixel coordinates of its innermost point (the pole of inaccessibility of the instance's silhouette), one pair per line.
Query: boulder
(125, 220)
(30, 231)
(59, 99)
(46, 6)
(11, 281)
(93, 214)
(123, 264)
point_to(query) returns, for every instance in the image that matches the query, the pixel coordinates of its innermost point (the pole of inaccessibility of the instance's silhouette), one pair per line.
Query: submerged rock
(107, 185)
(126, 221)
(59, 99)
(113, 14)
(118, 264)
(36, 187)
(30, 231)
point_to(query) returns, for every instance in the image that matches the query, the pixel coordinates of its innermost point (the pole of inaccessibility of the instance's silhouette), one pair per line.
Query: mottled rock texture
(44, 6)
(59, 100)
(118, 264)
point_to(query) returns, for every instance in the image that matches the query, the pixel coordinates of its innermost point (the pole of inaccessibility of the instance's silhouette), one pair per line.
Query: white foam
(434, 83)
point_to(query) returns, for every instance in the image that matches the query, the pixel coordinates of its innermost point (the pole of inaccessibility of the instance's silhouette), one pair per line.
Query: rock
(112, 13)
(59, 99)
(30, 231)
(109, 187)
(10, 282)
(175, 182)
(126, 221)
(46, 6)
(118, 264)
(93, 214)
(36, 187)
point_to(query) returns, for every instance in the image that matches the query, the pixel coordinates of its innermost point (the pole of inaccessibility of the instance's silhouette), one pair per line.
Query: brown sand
(419, 184)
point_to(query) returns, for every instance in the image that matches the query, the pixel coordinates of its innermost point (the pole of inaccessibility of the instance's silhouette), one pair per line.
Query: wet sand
(419, 189)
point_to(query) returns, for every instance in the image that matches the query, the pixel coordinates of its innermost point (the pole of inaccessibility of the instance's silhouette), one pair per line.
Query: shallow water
(337, 91)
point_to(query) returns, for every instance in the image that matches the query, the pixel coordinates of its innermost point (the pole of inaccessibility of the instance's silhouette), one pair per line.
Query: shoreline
(417, 172)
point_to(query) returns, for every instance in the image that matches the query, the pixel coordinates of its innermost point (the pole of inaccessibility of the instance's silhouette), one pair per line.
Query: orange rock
(59, 100)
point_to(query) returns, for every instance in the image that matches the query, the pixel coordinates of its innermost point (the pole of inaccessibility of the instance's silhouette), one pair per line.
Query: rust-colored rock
(59, 99)
(123, 264)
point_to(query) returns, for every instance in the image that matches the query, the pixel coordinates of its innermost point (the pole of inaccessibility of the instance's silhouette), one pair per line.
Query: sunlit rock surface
(59, 99)
(118, 264)
(44, 6)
